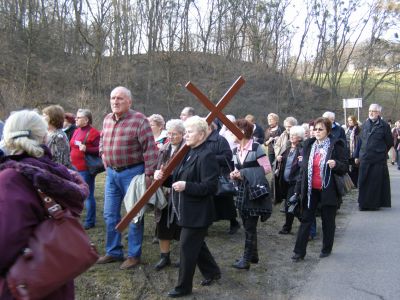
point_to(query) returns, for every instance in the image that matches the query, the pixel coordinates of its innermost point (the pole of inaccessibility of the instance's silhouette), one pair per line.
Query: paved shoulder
(365, 262)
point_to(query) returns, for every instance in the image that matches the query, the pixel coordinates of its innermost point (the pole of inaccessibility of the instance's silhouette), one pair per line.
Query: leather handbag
(58, 251)
(225, 187)
(344, 184)
(94, 164)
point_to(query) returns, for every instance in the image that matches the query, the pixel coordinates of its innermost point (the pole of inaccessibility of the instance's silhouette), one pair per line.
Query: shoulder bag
(94, 163)
(344, 184)
(58, 251)
(226, 187)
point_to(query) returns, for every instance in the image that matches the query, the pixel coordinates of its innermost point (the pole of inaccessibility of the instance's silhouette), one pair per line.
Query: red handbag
(57, 252)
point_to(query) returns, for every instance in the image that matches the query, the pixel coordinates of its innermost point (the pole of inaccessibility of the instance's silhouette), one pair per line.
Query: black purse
(94, 163)
(226, 187)
(344, 184)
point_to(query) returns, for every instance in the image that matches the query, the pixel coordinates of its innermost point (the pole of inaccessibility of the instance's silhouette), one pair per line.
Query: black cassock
(373, 181)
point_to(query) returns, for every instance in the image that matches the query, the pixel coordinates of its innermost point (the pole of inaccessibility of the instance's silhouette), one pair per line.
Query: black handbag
(226, 187)
(344, 184)
(94, 164)
(258, 191)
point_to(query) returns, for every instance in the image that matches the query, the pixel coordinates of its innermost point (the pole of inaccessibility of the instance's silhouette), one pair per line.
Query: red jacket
(92, 146)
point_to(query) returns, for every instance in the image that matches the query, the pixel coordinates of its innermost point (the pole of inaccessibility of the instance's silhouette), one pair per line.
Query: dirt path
(274, 277)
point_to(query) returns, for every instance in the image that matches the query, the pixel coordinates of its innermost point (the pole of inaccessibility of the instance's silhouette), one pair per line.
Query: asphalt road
(365, 262)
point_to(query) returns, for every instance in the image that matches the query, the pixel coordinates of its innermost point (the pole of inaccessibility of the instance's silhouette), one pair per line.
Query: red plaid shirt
(128, 141)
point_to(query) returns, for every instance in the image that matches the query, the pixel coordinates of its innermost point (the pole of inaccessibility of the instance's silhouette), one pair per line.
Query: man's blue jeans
(117, 184)
(90, 202)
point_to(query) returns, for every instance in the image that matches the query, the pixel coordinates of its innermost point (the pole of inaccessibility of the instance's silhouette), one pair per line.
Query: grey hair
(158, 119)
(24, 131)
(290, 120)
(377, 106)
(176, 124)
(87, 113)
(126, 91)
(329, 115)
(298, 131)
(198, 123)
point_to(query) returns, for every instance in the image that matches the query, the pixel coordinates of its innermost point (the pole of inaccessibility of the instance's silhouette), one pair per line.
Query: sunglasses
(318, 129)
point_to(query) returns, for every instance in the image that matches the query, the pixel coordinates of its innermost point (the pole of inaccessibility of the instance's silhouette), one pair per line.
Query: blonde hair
(25, 131)
(198, 123)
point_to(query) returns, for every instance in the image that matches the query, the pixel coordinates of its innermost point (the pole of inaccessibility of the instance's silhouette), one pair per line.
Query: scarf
(322, 148)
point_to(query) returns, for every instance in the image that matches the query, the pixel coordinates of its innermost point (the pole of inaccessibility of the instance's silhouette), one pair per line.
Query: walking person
(194, 184)
(353, 137)
(323, 156)
(167, 228)
(128, 149)
(85, 140)
(373, 178)
(250, 159)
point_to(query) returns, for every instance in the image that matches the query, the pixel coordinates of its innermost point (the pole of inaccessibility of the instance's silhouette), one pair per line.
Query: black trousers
(328, 215)
(250, 243)
(194, 251)
(288, 191)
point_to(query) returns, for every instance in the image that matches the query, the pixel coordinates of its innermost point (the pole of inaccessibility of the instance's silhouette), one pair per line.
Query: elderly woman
(289, 171)
(249, 157)
(167, 228)
(57, 140)
(28, 168)
(323, 156)
(85, 140)
(353, 137)
(157, 126)
(272, 133)
(194, 184)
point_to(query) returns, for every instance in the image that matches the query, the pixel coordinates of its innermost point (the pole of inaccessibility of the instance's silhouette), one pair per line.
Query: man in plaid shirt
(128, 149)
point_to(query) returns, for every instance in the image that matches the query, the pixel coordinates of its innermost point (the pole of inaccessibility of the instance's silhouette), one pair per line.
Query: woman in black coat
(194, 184)
(289, 171)
(224, 206)
(322, 157)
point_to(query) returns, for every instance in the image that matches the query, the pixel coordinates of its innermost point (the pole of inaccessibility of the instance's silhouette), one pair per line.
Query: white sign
(352, 103)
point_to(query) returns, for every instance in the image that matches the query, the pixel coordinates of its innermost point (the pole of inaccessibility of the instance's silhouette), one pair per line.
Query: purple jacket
(21, 210)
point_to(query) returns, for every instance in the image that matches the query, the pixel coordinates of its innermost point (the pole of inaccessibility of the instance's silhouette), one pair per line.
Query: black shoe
(233, 229)
(210, 281)
(297, 257)
(284, 231)
(392, 163)
(324, 254)
(155, 241)
(176, 293)
(253, 260)
(241, 264)
(163, 262)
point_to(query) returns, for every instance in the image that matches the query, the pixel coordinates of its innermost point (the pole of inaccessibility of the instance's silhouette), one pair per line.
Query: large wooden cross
(215, 112)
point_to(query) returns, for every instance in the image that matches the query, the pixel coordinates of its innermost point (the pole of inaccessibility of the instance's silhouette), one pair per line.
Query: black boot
(244, 262)
(164, 261)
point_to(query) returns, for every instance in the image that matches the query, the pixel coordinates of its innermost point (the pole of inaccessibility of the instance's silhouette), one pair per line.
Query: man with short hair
(186, 113)
(258, 131)
(128, 149)
(373, 179)
(337, 130)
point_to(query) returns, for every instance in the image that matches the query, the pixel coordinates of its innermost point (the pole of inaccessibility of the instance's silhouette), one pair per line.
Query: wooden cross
(215, 112)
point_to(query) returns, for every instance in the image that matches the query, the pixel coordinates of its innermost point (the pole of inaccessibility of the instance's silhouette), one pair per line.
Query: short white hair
(125, 90)
(176, 124)
(298, 131)
(25, 131)
(290, 120)
(329, 115)
(198, 123)
(376, 107)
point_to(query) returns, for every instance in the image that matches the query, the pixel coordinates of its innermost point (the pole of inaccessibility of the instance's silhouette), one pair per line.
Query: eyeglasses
(318, 129)
(373, 111)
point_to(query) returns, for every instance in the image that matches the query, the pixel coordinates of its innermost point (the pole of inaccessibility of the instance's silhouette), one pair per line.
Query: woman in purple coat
(28, 168)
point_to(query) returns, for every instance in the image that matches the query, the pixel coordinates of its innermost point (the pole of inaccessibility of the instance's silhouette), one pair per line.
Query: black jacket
(195, 204)
(218, 145)
(336, 151)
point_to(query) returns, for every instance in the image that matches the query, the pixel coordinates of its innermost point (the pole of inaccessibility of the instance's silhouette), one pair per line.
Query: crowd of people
(303, 160)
